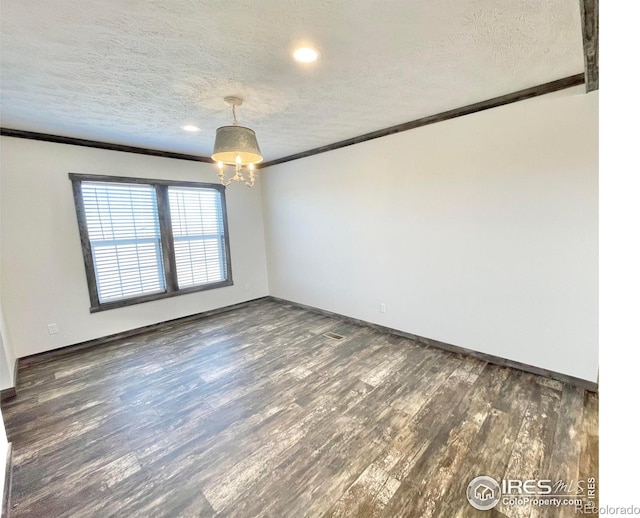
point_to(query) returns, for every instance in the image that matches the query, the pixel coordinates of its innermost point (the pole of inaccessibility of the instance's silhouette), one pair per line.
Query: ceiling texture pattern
(133, 72)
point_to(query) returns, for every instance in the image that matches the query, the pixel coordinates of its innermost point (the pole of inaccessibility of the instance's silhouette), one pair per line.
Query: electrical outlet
(383, 307)
(53, 329)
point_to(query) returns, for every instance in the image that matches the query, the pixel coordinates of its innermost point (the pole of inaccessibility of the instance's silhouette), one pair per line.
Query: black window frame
(166, 237)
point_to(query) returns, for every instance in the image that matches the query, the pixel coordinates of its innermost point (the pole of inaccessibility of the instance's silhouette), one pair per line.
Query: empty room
(289, 259)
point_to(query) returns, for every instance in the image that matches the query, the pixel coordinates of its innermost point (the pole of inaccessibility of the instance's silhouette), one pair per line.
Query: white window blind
(198, 235)
(123, 228)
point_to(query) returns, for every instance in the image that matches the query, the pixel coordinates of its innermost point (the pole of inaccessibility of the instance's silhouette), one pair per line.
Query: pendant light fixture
(236, 146)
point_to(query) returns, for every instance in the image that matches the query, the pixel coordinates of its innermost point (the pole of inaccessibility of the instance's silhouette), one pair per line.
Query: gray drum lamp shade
(236, 141)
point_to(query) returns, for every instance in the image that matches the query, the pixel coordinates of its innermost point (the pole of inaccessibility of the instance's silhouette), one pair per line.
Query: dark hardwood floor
(256, 413)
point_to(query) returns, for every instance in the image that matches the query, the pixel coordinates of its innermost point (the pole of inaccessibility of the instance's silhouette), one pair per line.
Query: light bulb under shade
(236, 141)
(305, 55)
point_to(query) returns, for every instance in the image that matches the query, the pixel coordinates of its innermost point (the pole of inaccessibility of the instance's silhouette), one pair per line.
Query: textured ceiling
(133, 72)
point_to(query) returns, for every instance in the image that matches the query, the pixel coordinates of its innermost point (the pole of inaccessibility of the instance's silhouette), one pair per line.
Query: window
(198, 235)
(148, 239)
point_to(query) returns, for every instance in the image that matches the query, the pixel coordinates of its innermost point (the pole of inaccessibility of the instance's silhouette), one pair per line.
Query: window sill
(157, 296)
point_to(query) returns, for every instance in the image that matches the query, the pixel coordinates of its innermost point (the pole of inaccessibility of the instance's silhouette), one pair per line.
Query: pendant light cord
(233, 109)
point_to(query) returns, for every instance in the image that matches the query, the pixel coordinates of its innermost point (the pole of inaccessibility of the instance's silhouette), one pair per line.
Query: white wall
(43, 277)
(480, 231)
(4, 449)
(7, 362)
(7, 357)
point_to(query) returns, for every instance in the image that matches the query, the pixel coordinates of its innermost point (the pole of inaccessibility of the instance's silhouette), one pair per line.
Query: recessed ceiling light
(305, 55)
(190, 128)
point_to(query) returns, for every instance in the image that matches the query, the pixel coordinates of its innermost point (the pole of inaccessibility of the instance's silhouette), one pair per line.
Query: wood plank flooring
(256, 413)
